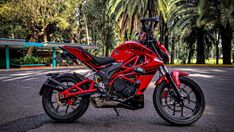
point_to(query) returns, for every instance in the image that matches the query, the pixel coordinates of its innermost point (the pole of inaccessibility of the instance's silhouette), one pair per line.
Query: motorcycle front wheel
(183, 111)
(58, 109)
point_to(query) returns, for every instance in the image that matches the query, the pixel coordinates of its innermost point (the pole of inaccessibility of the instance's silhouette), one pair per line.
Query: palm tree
(194, 22)
(220, 14)
(180, 18)
(127, 13)
(167, 10)
(226, 28)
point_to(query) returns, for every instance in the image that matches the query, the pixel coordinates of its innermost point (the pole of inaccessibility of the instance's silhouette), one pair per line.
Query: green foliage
(127, 14)
(38, 15)
(28, 60)
(32, 60)
(100, 21)
(101, 25)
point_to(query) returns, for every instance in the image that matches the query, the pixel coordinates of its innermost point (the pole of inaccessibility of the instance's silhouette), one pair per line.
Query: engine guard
(175, 76)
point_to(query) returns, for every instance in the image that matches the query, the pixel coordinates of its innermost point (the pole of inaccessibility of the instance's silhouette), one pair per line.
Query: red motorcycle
(119, 81)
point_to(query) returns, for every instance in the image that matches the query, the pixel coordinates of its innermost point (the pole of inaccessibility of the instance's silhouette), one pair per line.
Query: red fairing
(128, 50)
(131, 49)
(145, 80)
(129, 53)
(164, 52)
(162, 48)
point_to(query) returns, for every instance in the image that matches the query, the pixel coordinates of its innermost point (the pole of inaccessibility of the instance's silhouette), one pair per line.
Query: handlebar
(152, 19)
(153, 22)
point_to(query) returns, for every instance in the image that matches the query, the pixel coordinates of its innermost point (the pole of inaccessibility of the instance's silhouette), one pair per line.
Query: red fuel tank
(131, 49)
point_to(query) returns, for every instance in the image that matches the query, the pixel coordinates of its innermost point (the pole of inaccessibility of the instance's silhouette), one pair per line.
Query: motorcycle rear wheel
(179, 112)
(57, 109)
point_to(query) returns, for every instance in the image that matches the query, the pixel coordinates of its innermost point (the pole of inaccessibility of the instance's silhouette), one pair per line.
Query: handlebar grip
(152, 19)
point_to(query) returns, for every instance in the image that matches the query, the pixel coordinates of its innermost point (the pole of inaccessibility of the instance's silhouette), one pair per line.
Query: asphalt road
(21, 108)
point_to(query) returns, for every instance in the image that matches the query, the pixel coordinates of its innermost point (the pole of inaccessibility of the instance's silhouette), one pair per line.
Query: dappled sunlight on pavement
(192, 70)
(26, 76)
(221, 73)
(32, 75)
(201, 75)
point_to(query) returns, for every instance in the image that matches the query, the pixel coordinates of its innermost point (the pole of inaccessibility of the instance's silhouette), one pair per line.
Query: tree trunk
(126, 35)
(30, 49)
(12, 31)
(79, 37)
(200, 46)
(173, 51)
(95, 38)
(71, 37)
(49, 29)
(106, 42)
(232, 57)
(103, 50)
(107, 46)
(161, 38)
(107, 50)
(87, 29)
(45, 37)
(191, 52)
(226, 36)
(217, 49)
(166, 37)
(92, 36)
(131, 28)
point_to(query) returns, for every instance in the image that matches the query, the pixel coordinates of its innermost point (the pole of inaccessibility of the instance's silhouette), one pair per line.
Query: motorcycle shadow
(111, 120)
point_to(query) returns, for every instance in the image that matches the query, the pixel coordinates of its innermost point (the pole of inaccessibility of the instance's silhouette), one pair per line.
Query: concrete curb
(84, 67)
(44, 68)
(200, 65)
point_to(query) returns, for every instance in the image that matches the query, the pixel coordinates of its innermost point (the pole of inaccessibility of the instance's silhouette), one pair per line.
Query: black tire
(53, 111)
(166, 105)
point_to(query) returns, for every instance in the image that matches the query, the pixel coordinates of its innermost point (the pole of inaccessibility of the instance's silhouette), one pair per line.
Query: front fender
(175, 76)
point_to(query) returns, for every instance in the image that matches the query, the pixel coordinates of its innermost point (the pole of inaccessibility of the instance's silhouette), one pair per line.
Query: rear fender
(51, 78)
(175, 76)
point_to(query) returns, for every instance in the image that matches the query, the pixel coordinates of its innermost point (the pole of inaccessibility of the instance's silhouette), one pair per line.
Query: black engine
(123, 88)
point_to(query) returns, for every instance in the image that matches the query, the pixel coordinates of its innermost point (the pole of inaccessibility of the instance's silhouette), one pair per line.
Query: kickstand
(116, 111)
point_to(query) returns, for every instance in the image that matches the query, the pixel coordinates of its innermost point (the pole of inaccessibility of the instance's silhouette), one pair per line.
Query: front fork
(171, 79)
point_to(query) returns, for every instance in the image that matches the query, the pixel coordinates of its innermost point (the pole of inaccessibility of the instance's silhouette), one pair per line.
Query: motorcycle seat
(103, 60)
(98, 60)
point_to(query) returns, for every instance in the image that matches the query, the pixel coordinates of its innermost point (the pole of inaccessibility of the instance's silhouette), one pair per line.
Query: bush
(28, 60)
(47, 60)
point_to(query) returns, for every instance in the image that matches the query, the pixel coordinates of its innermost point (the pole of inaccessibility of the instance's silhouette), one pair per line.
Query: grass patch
(207, 61)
